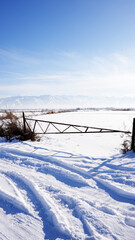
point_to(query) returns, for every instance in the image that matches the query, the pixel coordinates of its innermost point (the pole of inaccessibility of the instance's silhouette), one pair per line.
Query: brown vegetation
(126, 145)
(11, 128)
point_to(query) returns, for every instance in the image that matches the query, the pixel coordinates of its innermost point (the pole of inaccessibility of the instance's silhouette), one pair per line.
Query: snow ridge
(64, 194)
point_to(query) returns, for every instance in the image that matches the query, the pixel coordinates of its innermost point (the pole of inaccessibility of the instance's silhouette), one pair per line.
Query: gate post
(133, 136)
(24, 123)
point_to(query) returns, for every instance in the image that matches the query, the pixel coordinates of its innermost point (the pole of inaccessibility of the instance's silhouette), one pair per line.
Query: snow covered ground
(69, 186)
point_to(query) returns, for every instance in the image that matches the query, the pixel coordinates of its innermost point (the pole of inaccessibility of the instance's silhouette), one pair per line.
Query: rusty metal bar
(77, 129)
(27, 124)
(133, 137)
(76, 132)
(55, 127)
(24, 123)
(86, 130)
(34, 125)
(47, 128)
(66, 128)
(101, 130)
(40, 126)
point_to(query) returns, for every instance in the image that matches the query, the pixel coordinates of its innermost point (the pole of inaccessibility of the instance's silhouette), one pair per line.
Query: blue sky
(67, 47)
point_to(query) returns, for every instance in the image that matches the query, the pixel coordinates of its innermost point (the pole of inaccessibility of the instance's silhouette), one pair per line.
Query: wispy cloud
(69, 54)
(70, 73)
(125, 61)
(18, 57)
(43, 77)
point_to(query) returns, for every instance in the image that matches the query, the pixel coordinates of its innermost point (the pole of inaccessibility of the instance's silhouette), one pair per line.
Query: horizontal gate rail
(75, 128)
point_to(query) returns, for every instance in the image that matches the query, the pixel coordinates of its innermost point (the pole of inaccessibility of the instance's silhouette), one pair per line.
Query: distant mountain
(57, 102)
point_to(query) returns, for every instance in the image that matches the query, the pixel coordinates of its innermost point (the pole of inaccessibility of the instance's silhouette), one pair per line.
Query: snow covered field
(69, 186)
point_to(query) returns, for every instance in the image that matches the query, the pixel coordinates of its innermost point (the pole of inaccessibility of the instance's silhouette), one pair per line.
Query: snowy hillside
(69, 186)
(53, 102)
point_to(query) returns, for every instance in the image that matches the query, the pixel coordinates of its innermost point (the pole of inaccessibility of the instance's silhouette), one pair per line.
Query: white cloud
(113, 75)
(125, 61)
(69, 54)
(18, 56)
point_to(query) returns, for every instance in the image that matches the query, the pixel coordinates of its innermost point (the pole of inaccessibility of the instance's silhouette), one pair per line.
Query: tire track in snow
(87, 222)
(85, 174)
(69, 175)
(65, 176)
(115, 192)
(83, 210)
(119, 167)
(11, 154)
(54, 221)
(11, 199)
(72, 175)
(3, 237)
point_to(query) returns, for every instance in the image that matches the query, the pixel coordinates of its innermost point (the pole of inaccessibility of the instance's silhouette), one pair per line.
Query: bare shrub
(126, 145)
(8, 115)
(2, 130)
(51, 112)
(11, 128)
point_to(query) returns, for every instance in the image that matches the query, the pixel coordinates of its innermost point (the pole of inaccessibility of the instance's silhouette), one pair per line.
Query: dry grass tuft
(11, 128)
(126, 146)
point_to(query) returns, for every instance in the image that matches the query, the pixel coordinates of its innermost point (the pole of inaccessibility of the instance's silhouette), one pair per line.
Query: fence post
(24, 123)
(133, 136)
